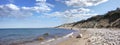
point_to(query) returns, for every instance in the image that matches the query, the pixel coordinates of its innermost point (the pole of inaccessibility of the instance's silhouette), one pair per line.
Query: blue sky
(50, 13)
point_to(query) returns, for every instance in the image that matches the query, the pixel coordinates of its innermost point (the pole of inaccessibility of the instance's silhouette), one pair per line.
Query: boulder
(79, 36)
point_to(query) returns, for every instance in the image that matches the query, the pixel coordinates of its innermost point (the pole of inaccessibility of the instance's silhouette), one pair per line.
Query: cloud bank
(83, 3)
(79, 9)
(12, 10)
(82, 13)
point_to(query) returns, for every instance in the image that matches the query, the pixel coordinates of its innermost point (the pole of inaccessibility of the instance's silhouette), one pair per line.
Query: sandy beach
(95, 37)
(90, 36)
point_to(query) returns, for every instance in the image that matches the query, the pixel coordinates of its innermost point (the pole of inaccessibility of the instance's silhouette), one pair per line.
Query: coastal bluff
(97, 30)
(109, 20)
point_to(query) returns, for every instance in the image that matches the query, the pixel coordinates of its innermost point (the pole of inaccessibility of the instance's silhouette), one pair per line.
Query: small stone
(41, 38)
(88, 40)
(79, 36)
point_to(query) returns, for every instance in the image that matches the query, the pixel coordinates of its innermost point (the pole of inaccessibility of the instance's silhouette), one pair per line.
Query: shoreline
(36, 38)
(51, 41)
(91, 36)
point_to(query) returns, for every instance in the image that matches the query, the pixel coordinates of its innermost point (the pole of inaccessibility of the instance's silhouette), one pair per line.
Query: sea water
(16, 36)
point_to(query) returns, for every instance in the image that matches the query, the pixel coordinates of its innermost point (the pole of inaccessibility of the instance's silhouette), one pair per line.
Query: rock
(88, 40)
(79, 36)
(46, 34)
(41, 38)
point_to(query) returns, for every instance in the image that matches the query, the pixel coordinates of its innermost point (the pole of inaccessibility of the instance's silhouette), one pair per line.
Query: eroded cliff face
(108, 20)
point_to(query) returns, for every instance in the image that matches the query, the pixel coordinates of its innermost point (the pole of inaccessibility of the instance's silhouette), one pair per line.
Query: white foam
(68, 35)
(52, 41)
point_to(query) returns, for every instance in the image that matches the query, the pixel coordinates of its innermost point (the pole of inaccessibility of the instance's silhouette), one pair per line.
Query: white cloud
(12, 6)
(81, 13)
(12, 10)
(38, 9)
(72, 15)
(41, 6)
(83, 3)
(80, 10)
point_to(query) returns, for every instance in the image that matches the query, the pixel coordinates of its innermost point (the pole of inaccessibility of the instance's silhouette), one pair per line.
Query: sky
(50, 13)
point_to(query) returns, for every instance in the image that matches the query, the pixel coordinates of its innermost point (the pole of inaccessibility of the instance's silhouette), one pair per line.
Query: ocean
(14, 36)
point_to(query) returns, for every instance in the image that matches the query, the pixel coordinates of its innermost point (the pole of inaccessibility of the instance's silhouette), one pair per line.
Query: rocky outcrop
(108, 20)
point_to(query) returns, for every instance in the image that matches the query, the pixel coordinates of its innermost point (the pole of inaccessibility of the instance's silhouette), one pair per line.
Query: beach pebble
(104, 37)
(105, 44)
(79, 36)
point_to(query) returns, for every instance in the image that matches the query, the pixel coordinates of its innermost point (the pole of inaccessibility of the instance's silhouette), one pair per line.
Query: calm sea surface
(20, 35)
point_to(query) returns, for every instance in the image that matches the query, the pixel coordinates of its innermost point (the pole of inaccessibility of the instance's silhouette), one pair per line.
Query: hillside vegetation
(108, 20)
